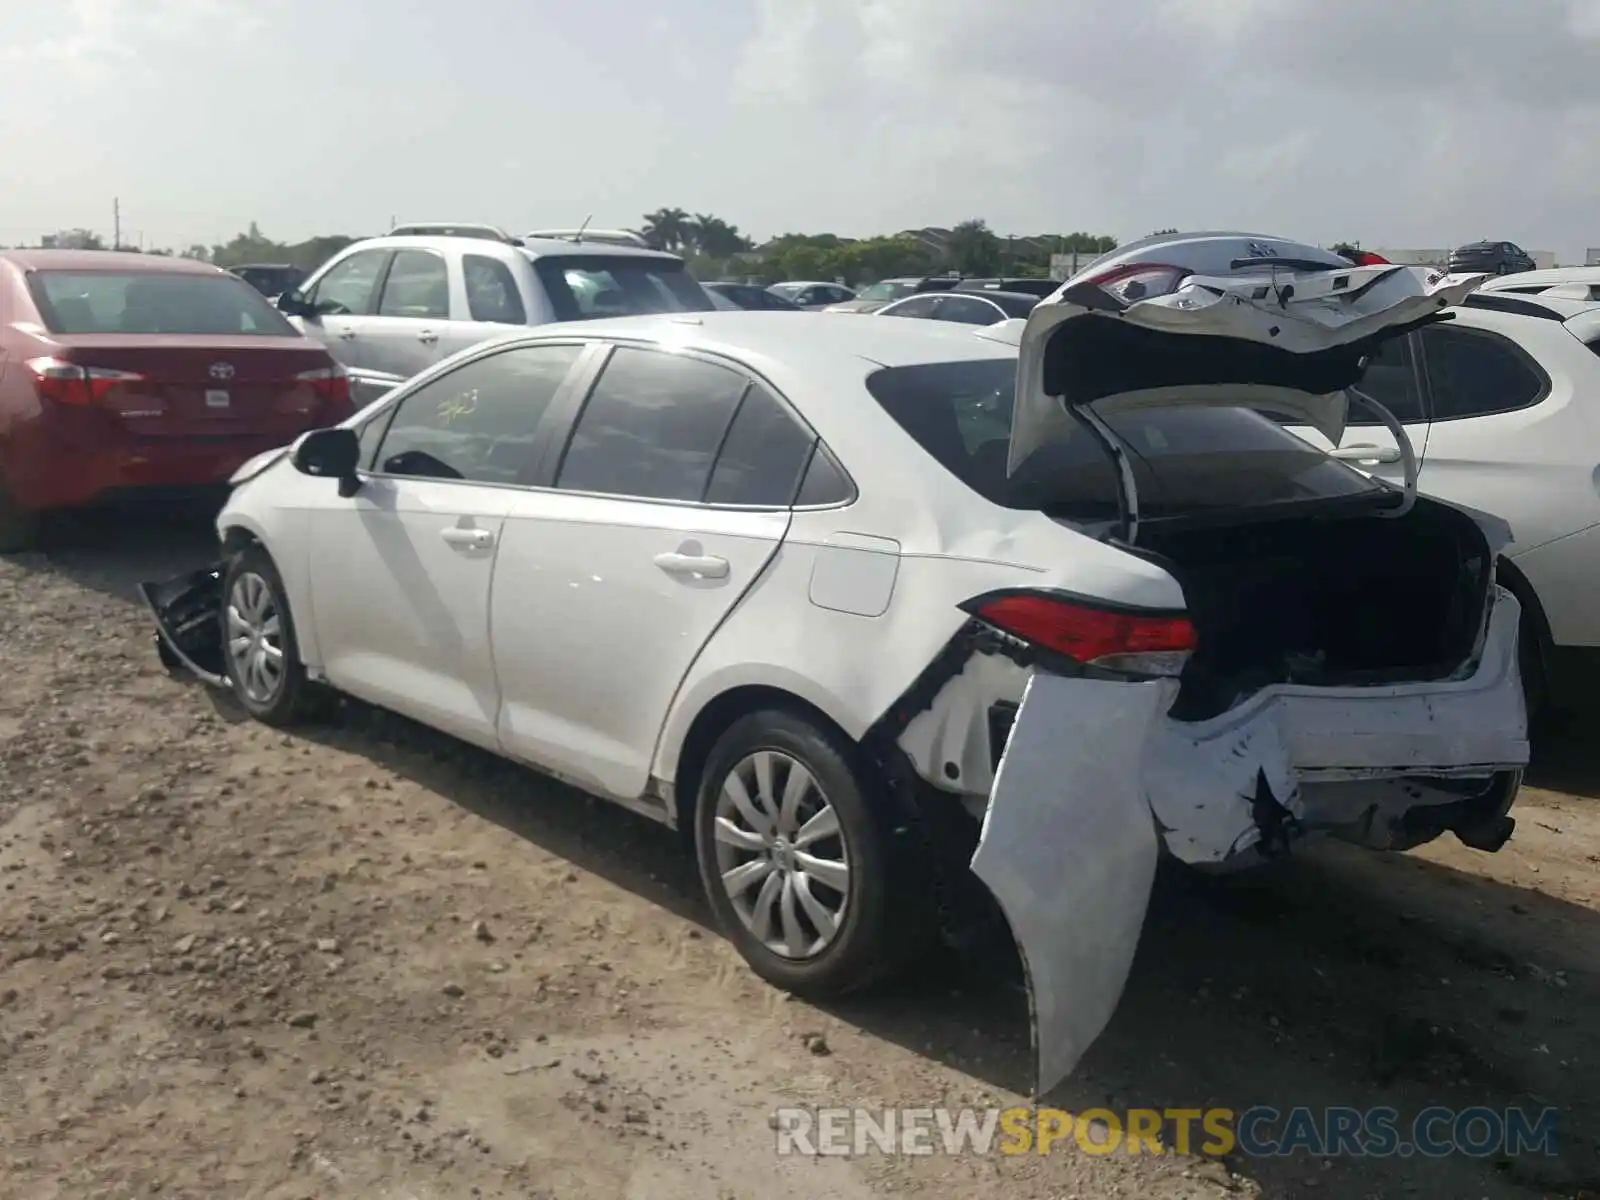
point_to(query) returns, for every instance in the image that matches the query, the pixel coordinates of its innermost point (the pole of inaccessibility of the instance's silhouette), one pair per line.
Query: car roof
(826, 337)
(530, 248)
(1551, 276)
(975, 294)
(107, 260)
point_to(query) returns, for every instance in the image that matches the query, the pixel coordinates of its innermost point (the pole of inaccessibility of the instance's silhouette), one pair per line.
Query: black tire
(19, 528)
(870, 941)
(292, 697)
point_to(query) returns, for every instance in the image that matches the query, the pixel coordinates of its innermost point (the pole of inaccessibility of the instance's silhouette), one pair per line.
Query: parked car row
(890, 614)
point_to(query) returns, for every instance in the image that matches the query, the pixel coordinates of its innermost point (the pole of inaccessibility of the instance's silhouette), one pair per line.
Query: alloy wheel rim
(781, 856)
(255, 638)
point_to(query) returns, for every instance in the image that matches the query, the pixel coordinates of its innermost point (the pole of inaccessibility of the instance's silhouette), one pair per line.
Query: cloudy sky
(1414, 123)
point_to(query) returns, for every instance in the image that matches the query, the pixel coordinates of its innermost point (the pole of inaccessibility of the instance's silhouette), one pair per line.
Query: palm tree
(667, 229)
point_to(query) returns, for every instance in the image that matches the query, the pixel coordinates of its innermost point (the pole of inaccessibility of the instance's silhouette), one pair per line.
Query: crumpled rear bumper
(188, 617)
(1095, 781)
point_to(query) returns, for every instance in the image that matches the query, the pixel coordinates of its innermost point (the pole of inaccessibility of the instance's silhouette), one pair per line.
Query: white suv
(389, 308)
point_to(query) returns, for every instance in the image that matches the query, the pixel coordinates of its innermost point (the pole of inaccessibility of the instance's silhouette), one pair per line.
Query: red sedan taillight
(331, 384)
(63, 382)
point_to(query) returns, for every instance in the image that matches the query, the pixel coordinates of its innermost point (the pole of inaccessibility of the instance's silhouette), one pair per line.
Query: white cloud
(1428, 119)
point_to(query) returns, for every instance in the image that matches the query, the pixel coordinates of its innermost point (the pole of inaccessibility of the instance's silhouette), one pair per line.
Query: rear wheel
(796, 858)
(260, 652)
(19, 527)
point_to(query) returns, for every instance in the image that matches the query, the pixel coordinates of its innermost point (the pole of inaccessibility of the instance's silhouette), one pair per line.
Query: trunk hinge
(1408, 452)
(1127, 487)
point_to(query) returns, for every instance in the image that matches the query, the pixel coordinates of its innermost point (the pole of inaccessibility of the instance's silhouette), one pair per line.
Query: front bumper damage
(188, 616)
(1095, 782)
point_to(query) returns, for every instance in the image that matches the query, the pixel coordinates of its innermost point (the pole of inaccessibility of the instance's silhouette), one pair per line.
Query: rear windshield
(153, 302)
(586, 288)
(1186, 461)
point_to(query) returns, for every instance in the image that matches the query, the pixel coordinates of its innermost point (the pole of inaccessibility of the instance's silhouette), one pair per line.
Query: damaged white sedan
(865, 604)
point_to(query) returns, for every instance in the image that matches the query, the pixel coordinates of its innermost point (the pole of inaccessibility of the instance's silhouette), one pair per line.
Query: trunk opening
(1326, 601)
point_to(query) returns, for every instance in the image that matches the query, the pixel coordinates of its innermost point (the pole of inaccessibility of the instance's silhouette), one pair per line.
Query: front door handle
(704, 566)
(427, 337)
(347, 335)
(469, 539)
(1366, 452)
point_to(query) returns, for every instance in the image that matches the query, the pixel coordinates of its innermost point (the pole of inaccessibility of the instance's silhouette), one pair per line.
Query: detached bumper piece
(188, 616)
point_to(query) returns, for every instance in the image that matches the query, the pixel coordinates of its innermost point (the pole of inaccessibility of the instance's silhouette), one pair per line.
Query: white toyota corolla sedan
(876, 608)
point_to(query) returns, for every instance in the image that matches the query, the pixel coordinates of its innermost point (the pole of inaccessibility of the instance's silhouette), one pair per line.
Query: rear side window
(418, 286)
(919, 306)
(1473, 373)
(1185, 460)
(593, 286)
(491, 291)
(153, 302)
(652, 427)
(476, 424)
(763, 455)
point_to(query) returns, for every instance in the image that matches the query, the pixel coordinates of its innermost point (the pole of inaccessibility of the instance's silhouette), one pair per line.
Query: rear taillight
(63, 382)
(1365, 258)
(331, 384)
(1140, 281)
(1115, 640)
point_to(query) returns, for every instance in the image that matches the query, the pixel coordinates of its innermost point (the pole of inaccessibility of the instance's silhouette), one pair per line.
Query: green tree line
(716, 248)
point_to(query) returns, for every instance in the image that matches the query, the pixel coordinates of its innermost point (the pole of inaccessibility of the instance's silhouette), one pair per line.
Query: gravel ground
(365, 961)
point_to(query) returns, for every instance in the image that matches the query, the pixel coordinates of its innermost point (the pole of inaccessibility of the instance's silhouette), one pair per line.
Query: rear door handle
(1366, 452)
(427, 337)
(469, 539)
(706, 566)
(347, 335)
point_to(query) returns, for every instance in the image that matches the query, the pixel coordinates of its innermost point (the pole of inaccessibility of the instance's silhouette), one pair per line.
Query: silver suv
(390, 307)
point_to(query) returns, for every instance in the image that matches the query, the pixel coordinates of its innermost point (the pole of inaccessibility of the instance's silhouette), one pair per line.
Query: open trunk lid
(1221, 320)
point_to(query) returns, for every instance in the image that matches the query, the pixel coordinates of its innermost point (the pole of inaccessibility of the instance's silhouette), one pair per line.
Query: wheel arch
(238, 532)
(714, 718)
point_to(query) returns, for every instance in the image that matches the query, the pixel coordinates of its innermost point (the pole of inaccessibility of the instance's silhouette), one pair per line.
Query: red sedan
(122, 373)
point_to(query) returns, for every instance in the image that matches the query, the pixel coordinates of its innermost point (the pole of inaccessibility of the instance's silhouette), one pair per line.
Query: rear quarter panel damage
(1069, 850)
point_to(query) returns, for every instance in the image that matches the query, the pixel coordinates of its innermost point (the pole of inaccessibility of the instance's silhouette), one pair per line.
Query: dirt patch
(366, 961)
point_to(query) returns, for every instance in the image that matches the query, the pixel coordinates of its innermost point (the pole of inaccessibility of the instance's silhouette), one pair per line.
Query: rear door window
(652, 427)
(153, 302)
(966, 311)
(1473, 373)
(583, 288)
(1185, 460)
(418, 286)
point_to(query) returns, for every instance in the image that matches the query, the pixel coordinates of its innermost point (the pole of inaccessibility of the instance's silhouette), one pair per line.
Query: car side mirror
(331, 454)
(294, 304)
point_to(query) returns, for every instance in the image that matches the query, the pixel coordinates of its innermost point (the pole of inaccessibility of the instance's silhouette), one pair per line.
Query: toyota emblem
(221, 371)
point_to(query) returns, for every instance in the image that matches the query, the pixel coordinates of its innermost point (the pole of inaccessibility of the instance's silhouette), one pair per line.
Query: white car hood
(1275, 338)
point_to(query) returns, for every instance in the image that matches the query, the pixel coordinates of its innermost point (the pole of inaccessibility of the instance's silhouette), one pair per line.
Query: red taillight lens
(1365, 258)
(1140, 281)
(331, 384)
(63, 382)
(1153, 644)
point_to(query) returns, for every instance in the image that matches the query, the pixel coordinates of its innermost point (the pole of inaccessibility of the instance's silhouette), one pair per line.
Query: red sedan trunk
(122, 374)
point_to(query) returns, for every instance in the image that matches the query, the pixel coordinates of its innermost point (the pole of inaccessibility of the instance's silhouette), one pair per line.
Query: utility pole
(116, 223)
